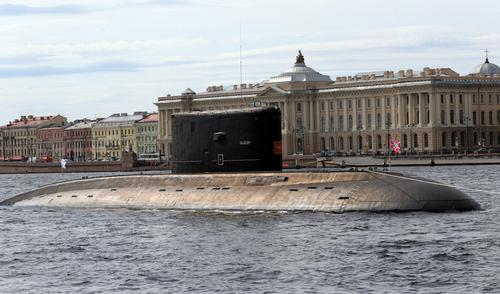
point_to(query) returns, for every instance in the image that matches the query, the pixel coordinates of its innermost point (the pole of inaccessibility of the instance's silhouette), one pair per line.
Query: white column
(421, 100)
(432, 109)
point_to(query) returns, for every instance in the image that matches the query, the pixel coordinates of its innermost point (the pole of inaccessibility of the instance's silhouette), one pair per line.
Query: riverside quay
(429, 111)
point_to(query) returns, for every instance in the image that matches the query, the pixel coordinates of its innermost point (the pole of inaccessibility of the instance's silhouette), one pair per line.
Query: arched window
(462, 139)
(323, 144)
(379, 142)
(452, 117)
(322, 124)
(350, 143)
(299, 146)
(426, 140)
(299, 107)
(443, 139)
(453, 139)
(415, 140)
(388, 120)
(349, 123)
(369, 139)
(360, 121)
(360, 143)
(405, 141)
(379, 121)
(341, 123)
(332, 123)
(475, 138)
(341, 143)
(332, 143)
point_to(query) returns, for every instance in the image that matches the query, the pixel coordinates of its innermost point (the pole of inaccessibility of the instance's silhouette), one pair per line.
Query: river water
(46, 250)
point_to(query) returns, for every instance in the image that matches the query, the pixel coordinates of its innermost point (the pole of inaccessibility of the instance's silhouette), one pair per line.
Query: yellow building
(115, 134)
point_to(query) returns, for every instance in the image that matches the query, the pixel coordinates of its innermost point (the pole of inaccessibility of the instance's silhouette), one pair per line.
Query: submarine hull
(295, 191)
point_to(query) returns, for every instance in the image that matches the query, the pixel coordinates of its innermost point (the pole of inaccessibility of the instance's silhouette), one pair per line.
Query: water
(45, 250)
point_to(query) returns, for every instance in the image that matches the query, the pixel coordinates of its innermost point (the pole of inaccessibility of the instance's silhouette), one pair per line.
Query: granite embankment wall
(23, 167)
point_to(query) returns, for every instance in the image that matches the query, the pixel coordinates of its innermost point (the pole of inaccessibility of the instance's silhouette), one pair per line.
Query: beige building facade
(431, 111)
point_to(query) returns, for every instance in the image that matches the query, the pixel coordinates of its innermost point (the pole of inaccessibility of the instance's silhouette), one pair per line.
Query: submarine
(232, 161)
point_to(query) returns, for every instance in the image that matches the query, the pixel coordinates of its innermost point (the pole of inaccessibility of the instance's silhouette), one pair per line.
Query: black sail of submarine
(227, 141)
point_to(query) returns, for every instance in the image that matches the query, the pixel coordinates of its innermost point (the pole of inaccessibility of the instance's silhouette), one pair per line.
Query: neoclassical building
(430, 111)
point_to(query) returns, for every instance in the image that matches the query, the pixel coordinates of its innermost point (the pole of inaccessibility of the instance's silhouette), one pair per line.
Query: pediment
(272, 91)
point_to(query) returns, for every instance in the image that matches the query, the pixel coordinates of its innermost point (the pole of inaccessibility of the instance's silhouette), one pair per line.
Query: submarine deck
(274, 191)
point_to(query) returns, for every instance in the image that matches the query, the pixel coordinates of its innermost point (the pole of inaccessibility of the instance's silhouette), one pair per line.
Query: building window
(379, 142)
(490, 117)
(489, 99)
(300, 126)
(378, 102)
(442, 99)
(349, 103)
(498, 116)
(418, 117)
(359, 123)
(322, 105)
(350, 143)
(322, 124)
(330, 105)
(491, 138)
(482, 99)
(299, 107)
(405, 141)
(358, 105)
(443, 139)
(349, 123)
(332, 143)
(451, 99)
(369, 102)
(369, 138)
(474, 99)
(443, 117)
(461, 116)
(341, 143)
(462, 138)
(460, 100)
(369, 121)
(474, 117)
(379, 121)
(498, 99)
(415, 140)
(453, 139)
(323, 144)
(388, 120)
(332, 123)
(388, 101)
(341, 124)
(482, 117)
(340, 104)
(452, 117)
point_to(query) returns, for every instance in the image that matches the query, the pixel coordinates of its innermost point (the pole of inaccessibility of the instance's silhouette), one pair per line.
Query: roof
(486, 69)
(118, 120)
(153, 117)
(299, 72)
(81, 125)
(29, 121)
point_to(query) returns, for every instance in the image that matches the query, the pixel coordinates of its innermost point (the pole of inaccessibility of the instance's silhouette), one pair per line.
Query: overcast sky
(88, 58)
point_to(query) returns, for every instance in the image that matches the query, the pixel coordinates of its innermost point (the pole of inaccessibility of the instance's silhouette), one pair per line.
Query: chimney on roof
(235, 87)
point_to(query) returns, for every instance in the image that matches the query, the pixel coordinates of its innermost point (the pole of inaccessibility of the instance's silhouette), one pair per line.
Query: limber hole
(215, 188)
(343, 197)
(59, 196)
(162, 190)
(328, 188)
(113, 189)
(90, 196)
(74, 196)
(200, 188)
(312, 188)
(294, 190)
(225, 188)
(178, 190)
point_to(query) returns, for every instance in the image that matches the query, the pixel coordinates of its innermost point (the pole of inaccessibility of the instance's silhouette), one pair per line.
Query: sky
(93, 58)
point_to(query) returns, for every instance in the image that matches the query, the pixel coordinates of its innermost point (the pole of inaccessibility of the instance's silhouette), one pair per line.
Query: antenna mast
(241, 65)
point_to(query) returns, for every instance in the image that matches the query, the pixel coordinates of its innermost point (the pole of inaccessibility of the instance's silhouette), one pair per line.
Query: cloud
(16, 9)
(41, 71)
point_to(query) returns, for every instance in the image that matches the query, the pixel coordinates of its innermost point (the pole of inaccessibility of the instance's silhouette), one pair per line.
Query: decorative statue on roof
(300, 58)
